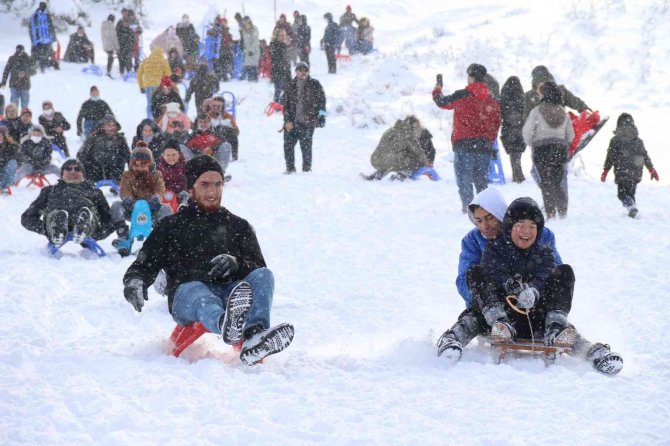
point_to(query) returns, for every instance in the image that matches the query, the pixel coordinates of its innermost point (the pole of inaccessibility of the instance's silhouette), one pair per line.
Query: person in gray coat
(110, 41)
(252, 50)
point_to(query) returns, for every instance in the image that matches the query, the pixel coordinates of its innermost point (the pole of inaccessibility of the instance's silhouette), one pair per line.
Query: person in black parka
(511, 114)
(149, 132)
(626, 153)
(60, 209)
(105, 153)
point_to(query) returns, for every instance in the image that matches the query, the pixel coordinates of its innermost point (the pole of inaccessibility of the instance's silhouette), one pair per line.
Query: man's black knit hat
(198, 165)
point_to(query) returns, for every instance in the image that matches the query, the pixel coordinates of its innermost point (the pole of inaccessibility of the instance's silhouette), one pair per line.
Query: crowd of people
(510, 253)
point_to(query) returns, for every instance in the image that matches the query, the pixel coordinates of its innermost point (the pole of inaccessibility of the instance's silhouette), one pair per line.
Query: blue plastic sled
(231, 102)
(140, 227)
(56, 148)
(111, 183)
(238, 61)
(130, 76)
(428, 171)
(92, 69)
(89, 243)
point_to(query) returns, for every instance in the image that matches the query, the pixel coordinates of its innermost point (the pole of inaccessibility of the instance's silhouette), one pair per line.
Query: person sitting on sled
(399, 150)
(626, 153)
(73, 205)
(216, 273)
(470, 323)
(140, 182)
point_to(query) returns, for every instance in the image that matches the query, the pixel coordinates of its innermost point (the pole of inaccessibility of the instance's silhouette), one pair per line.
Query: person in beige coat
(168, 40)
(149, 75)
(110, 41)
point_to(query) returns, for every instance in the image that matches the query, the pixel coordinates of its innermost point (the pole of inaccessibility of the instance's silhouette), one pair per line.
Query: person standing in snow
(251, 48)
(626, 153)
(549, 132)
(304, 104)
(488, 213)
(73, 205)
(149, 74)
(19, 68)
(126, 38)
(216, 273)
(511, 113)
(331, 40)
(91, 112)
(110, 43)
(42, 35)
(476, 124)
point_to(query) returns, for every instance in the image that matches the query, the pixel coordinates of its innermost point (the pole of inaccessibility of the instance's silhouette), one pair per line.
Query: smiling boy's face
(524, 233)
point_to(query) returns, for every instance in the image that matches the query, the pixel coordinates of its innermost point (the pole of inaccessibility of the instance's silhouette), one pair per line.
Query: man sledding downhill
(506, 246)
(216, 273)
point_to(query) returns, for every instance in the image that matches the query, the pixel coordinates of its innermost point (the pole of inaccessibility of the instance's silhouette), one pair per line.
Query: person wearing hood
(140, 182)
(19, 68)
(332, 39)
(399, 150)
(36, 150)
(517, 269)
(166, 93)
(476, 124)
(168, 40)
(11, 121)
(73, 205)
(10, 158)
(105, 153)
(626, 153)
(25, 125)
(511, 114)
(531, 99)
(172, 165)
(549, 132)
(175, 122)
(150, 72)
(79, 49)
(150, 133)
(55, 125)
(91, 112)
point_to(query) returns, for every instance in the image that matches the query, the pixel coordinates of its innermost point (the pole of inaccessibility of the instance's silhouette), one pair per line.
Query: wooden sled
(526, 346)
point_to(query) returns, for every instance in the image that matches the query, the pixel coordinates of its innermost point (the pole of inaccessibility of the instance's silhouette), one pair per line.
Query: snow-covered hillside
(365, 271)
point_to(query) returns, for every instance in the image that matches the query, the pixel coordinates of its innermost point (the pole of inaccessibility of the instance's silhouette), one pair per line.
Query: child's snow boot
(449, 347)
(604, 360)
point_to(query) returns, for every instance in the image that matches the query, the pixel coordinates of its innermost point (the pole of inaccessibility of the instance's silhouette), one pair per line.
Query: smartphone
(439, 80)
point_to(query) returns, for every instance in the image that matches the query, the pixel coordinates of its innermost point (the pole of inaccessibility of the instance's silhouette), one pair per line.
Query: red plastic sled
(38, 180)
(274, 107)
(184, 336)
(582, 123)
(170, 198)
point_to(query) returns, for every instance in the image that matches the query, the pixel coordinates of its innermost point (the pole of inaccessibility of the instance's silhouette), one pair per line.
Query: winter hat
(328, 16)
(624, 119)
(477, 72)
(172, 107)
(107, 119)
(141, 152)
(94, 88)
(524, 208)
(19, 48)
(37, 128)
(348, 8)
(198, 165)
(70, 162)
(296, 13)
(302, 66)
(166, 82)
(491, 200)
(551, 93)
(26, 110)
(540, 75)
(111, 17)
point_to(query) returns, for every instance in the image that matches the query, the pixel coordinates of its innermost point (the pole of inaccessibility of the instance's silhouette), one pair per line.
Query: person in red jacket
(476, 124)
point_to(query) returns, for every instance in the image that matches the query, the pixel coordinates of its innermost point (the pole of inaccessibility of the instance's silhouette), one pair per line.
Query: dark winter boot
(632, 212)
(56, 227)
(449, 347)
(604, 360)
(264, 343)
(83, 225)
(237, 307)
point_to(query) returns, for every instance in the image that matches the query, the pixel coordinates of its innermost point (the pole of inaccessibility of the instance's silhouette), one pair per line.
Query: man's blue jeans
(7, 174)
(16, 94)
(198, 302)
(471, 168)
(149, 91)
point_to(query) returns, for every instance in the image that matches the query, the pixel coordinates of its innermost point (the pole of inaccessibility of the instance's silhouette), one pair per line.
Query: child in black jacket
(627, 154)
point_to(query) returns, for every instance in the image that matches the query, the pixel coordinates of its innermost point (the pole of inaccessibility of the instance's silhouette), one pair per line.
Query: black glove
(223, 266)
(321, 121)
(142, 90)
(136, 293)
(514, 285)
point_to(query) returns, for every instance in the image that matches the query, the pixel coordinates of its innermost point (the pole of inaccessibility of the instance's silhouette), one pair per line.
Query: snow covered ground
(365, 271)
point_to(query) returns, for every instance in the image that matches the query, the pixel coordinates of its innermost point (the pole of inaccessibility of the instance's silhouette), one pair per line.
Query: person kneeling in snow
(73, 205)
(216, 273)
(399, 150)
(140, 182)
(487, 211)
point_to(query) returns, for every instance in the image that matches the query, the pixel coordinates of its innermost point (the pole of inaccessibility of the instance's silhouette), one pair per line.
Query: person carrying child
(626, 153)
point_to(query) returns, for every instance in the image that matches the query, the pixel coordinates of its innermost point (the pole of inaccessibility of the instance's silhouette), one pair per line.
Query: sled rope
(524, 312)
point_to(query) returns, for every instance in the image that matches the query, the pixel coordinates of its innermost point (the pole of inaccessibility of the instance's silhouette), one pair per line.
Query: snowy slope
(365, 271)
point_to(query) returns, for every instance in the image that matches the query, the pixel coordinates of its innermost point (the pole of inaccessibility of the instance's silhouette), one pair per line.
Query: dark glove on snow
(136, 293)
(223, 266)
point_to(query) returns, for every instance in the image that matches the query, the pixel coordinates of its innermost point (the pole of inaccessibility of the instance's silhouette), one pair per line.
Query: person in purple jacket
(487, 211)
